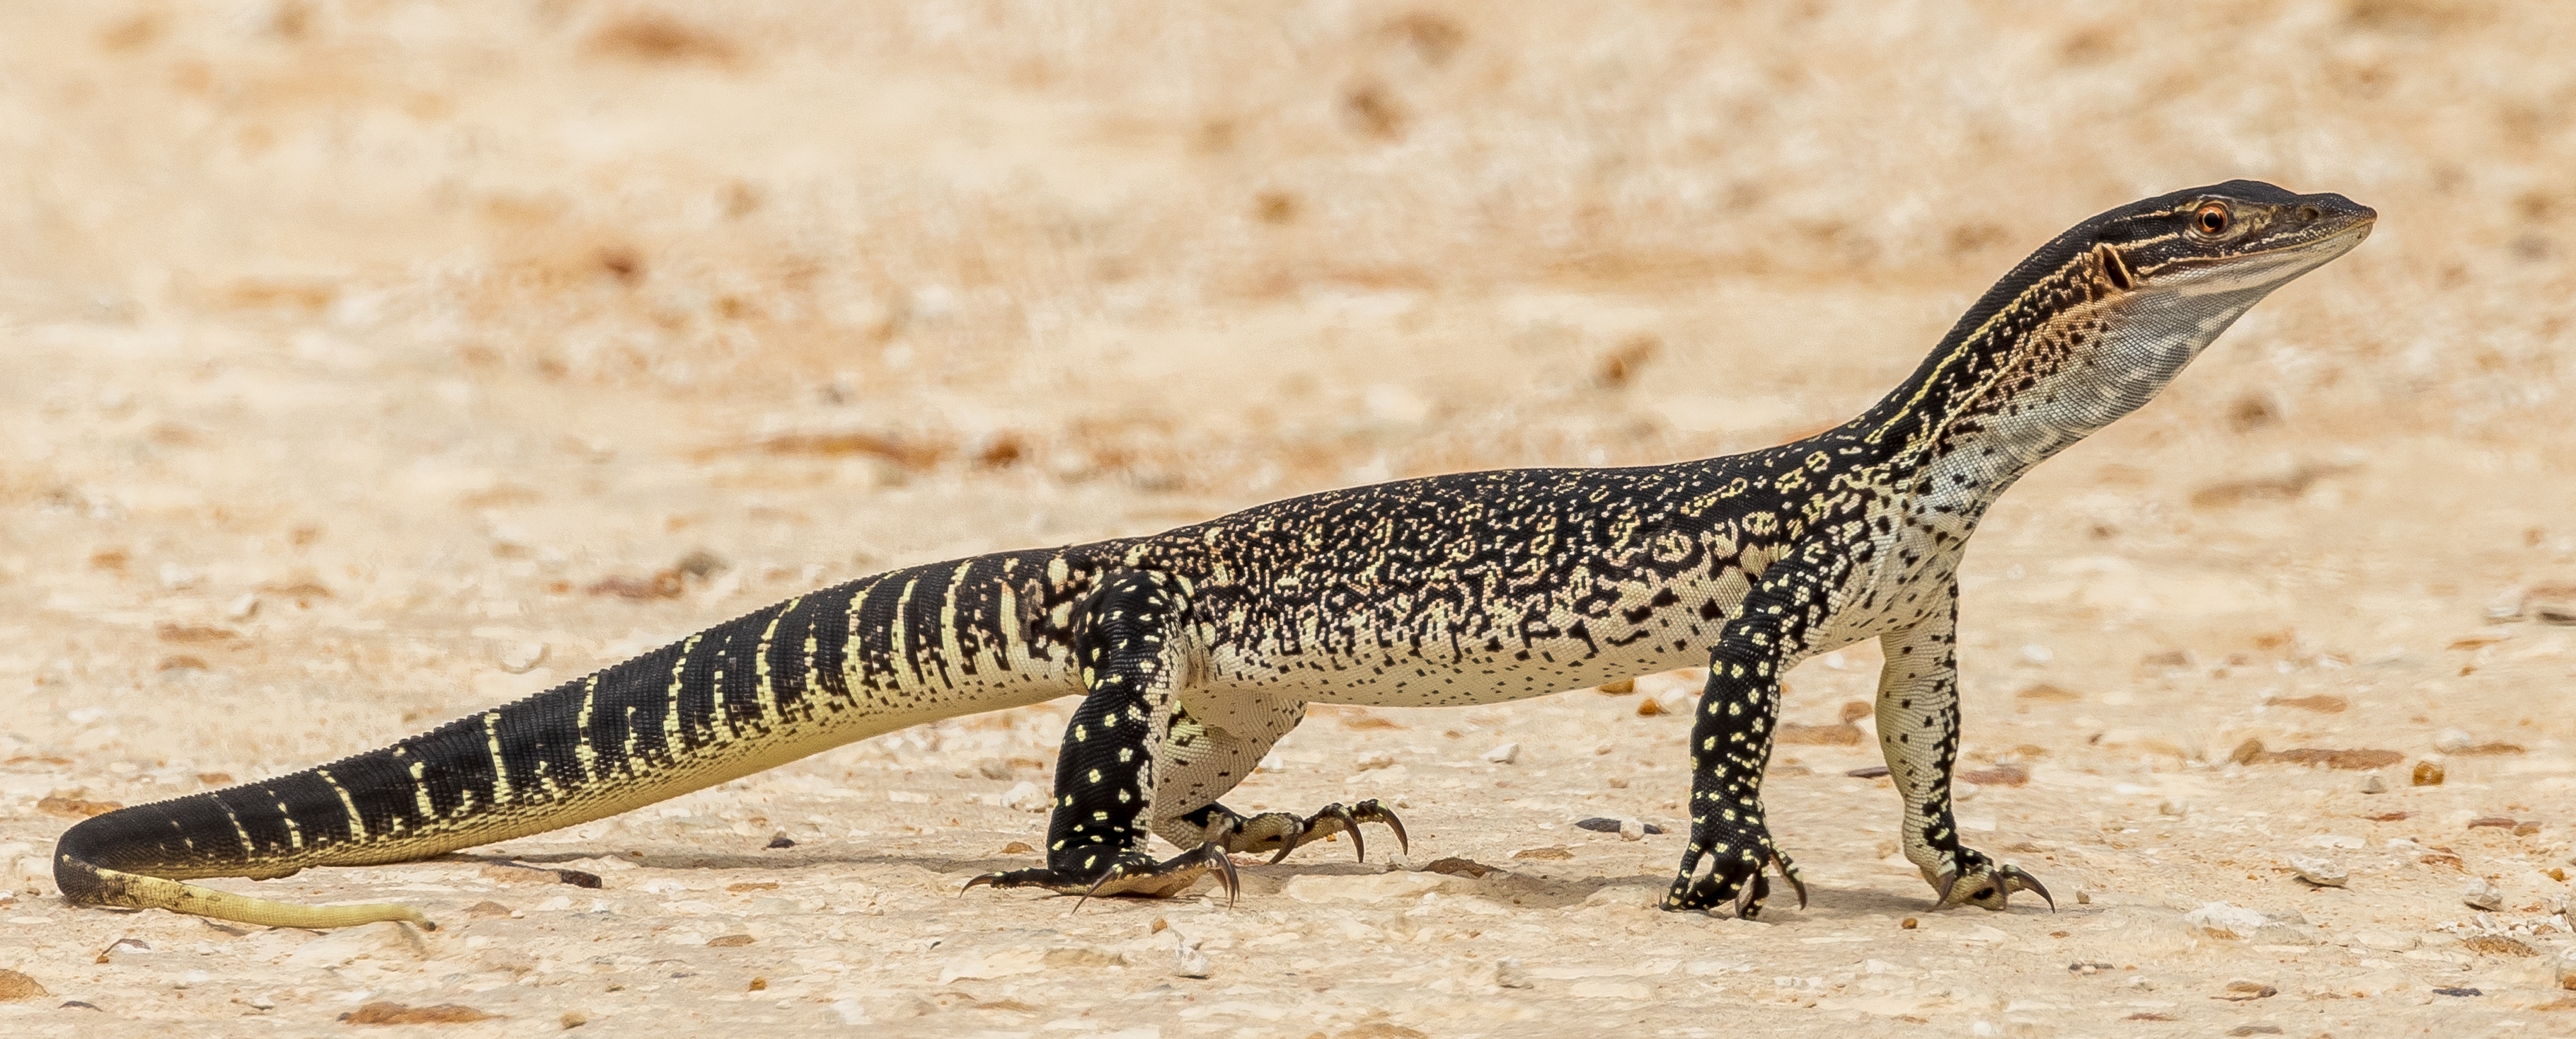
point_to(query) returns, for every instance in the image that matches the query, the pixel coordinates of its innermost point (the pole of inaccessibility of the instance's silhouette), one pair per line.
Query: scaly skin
(1198, 648)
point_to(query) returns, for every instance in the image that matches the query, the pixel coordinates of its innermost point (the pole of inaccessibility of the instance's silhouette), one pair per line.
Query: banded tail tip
(85, 884)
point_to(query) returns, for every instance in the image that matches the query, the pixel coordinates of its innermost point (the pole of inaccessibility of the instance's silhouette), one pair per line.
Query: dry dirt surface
(371, 363)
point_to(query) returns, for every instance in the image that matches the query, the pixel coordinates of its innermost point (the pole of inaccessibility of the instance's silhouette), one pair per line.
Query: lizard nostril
(2310, 212)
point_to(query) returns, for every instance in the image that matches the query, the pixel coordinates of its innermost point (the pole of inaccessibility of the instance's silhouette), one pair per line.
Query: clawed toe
(1131, 875)
(1734, 878)
(1292, 833)
(1988, 886)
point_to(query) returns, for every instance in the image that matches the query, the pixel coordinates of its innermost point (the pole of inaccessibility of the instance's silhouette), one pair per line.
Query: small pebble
(1374, 762)
(1867, 772)
(2372, 784)
(1909, 923)
(1632, 830)
(2459, 992)
(1190, 961)
(573, 1019)
(1509, 973)
(2428, 773)
(241, 608)
(521, 658)
(778, 841)
(2481, 893)
(2087, 969)
(2320, 872)
(2453, 741)
(1505, 754)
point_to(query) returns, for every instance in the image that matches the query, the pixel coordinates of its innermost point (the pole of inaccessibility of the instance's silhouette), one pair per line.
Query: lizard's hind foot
(1132, 874)
(1986, 884)
(1280, 833)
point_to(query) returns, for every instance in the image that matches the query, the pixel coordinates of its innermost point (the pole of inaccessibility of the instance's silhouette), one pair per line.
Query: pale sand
(412, 324)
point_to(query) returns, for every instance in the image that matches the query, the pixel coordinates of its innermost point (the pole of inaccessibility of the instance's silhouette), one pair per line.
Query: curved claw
(1115, 871)
(1790, 873)
(979, 880)
(1371, 811)
(2018, 879)
(1359, 844)
(1234, 884)
(1748, 899)
(1999, 881)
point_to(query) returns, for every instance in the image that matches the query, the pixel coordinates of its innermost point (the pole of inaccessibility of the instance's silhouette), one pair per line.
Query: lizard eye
(2212, 219)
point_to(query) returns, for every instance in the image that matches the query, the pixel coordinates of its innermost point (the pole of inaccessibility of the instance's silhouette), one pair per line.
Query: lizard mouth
(2328, 236)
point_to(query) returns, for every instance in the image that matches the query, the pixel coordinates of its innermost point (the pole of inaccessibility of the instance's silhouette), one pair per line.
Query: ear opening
(2115, 267)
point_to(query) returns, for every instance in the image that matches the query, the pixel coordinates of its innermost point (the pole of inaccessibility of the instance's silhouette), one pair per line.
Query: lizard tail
(800, 677)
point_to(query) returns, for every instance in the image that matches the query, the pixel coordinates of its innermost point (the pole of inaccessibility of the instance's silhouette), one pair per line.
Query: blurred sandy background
(368, 363)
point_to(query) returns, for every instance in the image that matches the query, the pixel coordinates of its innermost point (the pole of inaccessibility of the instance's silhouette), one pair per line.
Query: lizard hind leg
(1128, 642)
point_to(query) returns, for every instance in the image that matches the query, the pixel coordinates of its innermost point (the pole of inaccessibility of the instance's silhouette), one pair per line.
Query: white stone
(2372, 784)
(242, 607)
(521, 658)
(1190, 961)
(2481, 893)
(2453, 741)
(1505, 754)
(1632, 830)
(2320, 872)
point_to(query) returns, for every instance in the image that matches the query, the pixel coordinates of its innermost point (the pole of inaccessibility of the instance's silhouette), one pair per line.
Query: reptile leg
(1731, 738)
(1280, 833)
(1127, 640)
(1918, 732)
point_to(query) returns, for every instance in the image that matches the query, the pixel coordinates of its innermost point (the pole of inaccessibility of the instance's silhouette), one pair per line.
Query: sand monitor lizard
(1196, 649)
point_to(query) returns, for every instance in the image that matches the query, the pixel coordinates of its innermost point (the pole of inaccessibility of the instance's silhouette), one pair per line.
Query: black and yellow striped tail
(750, 694)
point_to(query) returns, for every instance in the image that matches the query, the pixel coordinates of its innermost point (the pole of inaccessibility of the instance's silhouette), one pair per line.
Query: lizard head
(2227, 239)
(2099, 320)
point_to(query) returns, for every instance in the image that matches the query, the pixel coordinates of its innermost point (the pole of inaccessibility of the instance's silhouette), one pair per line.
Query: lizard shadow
(1534, 890)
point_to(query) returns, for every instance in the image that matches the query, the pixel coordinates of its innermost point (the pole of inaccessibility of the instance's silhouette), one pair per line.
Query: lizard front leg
(1918, 732)
(1128, 642)
(1731, 738)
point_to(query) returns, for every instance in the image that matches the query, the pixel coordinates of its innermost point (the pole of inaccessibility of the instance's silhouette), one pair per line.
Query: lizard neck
(2051, 354)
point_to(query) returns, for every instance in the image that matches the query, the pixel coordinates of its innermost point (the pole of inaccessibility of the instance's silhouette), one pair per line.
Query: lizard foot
(1132, 874)
(1735, 875)
(1285, 833)
(1985, 883)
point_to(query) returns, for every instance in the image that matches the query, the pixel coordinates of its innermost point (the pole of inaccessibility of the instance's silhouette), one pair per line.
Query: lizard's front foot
(1283, 833)
(1735, 875)
(1130, 874)
(1982, 882)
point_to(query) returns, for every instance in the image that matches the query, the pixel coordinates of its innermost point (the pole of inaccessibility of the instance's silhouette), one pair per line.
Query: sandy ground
(356, 353)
